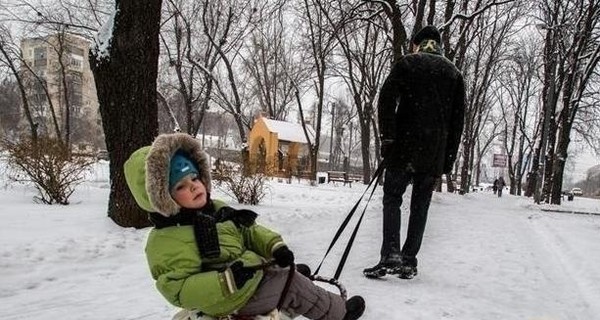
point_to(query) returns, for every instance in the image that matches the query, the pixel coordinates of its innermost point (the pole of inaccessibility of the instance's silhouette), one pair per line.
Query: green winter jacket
(182, 276)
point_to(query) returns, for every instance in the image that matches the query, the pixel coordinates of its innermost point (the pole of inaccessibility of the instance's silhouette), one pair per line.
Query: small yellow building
(279, 148)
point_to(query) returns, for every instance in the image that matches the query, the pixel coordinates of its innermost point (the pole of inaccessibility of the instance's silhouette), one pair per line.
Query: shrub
(48, 164)
(248, 188)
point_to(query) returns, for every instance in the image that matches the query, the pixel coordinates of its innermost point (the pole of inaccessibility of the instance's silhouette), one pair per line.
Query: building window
(40, 57)
(75, 63)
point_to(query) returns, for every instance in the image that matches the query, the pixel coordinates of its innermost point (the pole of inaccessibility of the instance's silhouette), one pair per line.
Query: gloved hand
(242, 217)
(386, 147)
(283, 256)
(241, 274)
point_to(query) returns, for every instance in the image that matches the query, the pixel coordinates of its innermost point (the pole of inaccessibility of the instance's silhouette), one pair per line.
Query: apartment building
(57, 74)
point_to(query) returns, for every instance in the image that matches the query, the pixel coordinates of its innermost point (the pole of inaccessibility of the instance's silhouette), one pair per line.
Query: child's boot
(355, 307)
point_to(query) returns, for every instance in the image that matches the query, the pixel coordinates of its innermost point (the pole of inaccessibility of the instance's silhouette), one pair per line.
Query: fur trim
(429, 46)
(157, 169)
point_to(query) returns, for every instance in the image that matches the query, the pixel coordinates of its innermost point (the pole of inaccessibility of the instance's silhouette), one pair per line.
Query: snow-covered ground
(483, 257)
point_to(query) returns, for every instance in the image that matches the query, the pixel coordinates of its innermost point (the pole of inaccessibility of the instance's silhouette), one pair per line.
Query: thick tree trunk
(399, 37)
(559, 166)
(126, 86)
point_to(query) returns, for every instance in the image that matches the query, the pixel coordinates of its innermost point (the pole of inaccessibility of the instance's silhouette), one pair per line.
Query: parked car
(576, 192)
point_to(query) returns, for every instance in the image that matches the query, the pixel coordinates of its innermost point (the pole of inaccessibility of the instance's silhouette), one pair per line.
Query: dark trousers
(394, 187)
(303, 297)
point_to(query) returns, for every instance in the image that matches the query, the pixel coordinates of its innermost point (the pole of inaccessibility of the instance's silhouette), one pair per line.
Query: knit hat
(180, 167)
(427, 33)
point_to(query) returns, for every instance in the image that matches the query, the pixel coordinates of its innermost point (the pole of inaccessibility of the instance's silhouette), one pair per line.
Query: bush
(48, 164)
(246, 188)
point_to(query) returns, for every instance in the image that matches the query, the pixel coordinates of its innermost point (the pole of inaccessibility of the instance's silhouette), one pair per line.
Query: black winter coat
(421, 107)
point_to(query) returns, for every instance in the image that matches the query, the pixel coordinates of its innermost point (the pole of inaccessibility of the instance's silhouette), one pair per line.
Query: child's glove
(242, 217)
(241, 274)
(283, 256)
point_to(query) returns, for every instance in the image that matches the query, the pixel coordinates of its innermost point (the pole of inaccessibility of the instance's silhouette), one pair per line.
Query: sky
(581, 160)
(483, 257)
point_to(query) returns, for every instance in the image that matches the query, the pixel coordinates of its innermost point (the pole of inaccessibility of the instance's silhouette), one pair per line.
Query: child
(206, 256)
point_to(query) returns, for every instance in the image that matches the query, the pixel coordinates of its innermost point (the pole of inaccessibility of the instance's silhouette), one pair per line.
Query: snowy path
(482, 257)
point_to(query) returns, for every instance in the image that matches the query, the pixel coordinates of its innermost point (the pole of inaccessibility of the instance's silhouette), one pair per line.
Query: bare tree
(58, 25)
(59, 42)
(226, 24)
(553, 76)
(480, 66)
(10, 106)
(320, 42)
(516, 93)
(35, 83)
(9, 54)
(362, 47)
(581, 56)
(78, 17)
(274, 63)
(184, 84)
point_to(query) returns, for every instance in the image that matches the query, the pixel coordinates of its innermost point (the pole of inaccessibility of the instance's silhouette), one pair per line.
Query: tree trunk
(464, 173)
(126, 86)
(365, 144)
(399, 37)
(559, 165)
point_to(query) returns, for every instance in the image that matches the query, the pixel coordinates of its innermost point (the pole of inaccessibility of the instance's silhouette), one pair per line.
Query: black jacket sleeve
(456, 124)
(388, 101)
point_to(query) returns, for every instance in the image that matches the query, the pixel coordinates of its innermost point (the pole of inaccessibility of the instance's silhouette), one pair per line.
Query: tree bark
(126, 86)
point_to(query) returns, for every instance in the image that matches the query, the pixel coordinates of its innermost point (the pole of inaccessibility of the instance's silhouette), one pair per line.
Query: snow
(483, 257)
(103, 39)
(287, 131)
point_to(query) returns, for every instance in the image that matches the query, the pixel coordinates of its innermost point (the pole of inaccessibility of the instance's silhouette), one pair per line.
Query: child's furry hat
(147, 171)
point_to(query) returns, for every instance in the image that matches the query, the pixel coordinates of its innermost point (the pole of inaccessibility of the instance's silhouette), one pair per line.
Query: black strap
(375, 178)
(286, 288)
(353, 236)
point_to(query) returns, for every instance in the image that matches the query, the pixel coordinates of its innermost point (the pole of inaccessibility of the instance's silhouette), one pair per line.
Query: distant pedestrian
(500, 184)
(495, 186)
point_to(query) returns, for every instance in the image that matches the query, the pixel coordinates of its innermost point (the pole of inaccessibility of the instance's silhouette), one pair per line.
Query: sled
(194, 315)
(274, 314)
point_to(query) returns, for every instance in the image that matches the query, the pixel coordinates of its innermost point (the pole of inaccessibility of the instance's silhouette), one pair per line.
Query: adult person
(500, 184)
(495, 186)
(421, 110)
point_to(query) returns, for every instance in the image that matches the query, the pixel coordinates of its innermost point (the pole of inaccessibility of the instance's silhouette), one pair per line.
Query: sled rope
(286, 288)
(374, 182)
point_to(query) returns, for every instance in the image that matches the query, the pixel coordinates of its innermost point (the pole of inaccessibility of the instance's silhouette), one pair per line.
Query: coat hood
(147, 171)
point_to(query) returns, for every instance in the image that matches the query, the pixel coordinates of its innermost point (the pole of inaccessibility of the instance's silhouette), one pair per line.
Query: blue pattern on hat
(180, 167)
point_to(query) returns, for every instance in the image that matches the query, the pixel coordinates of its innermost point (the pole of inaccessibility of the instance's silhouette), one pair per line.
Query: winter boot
(408, 269)
(355, 307)
(407, 272)
(388, 265)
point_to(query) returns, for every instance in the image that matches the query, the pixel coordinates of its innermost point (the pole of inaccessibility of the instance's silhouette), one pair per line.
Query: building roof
(287, 131)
